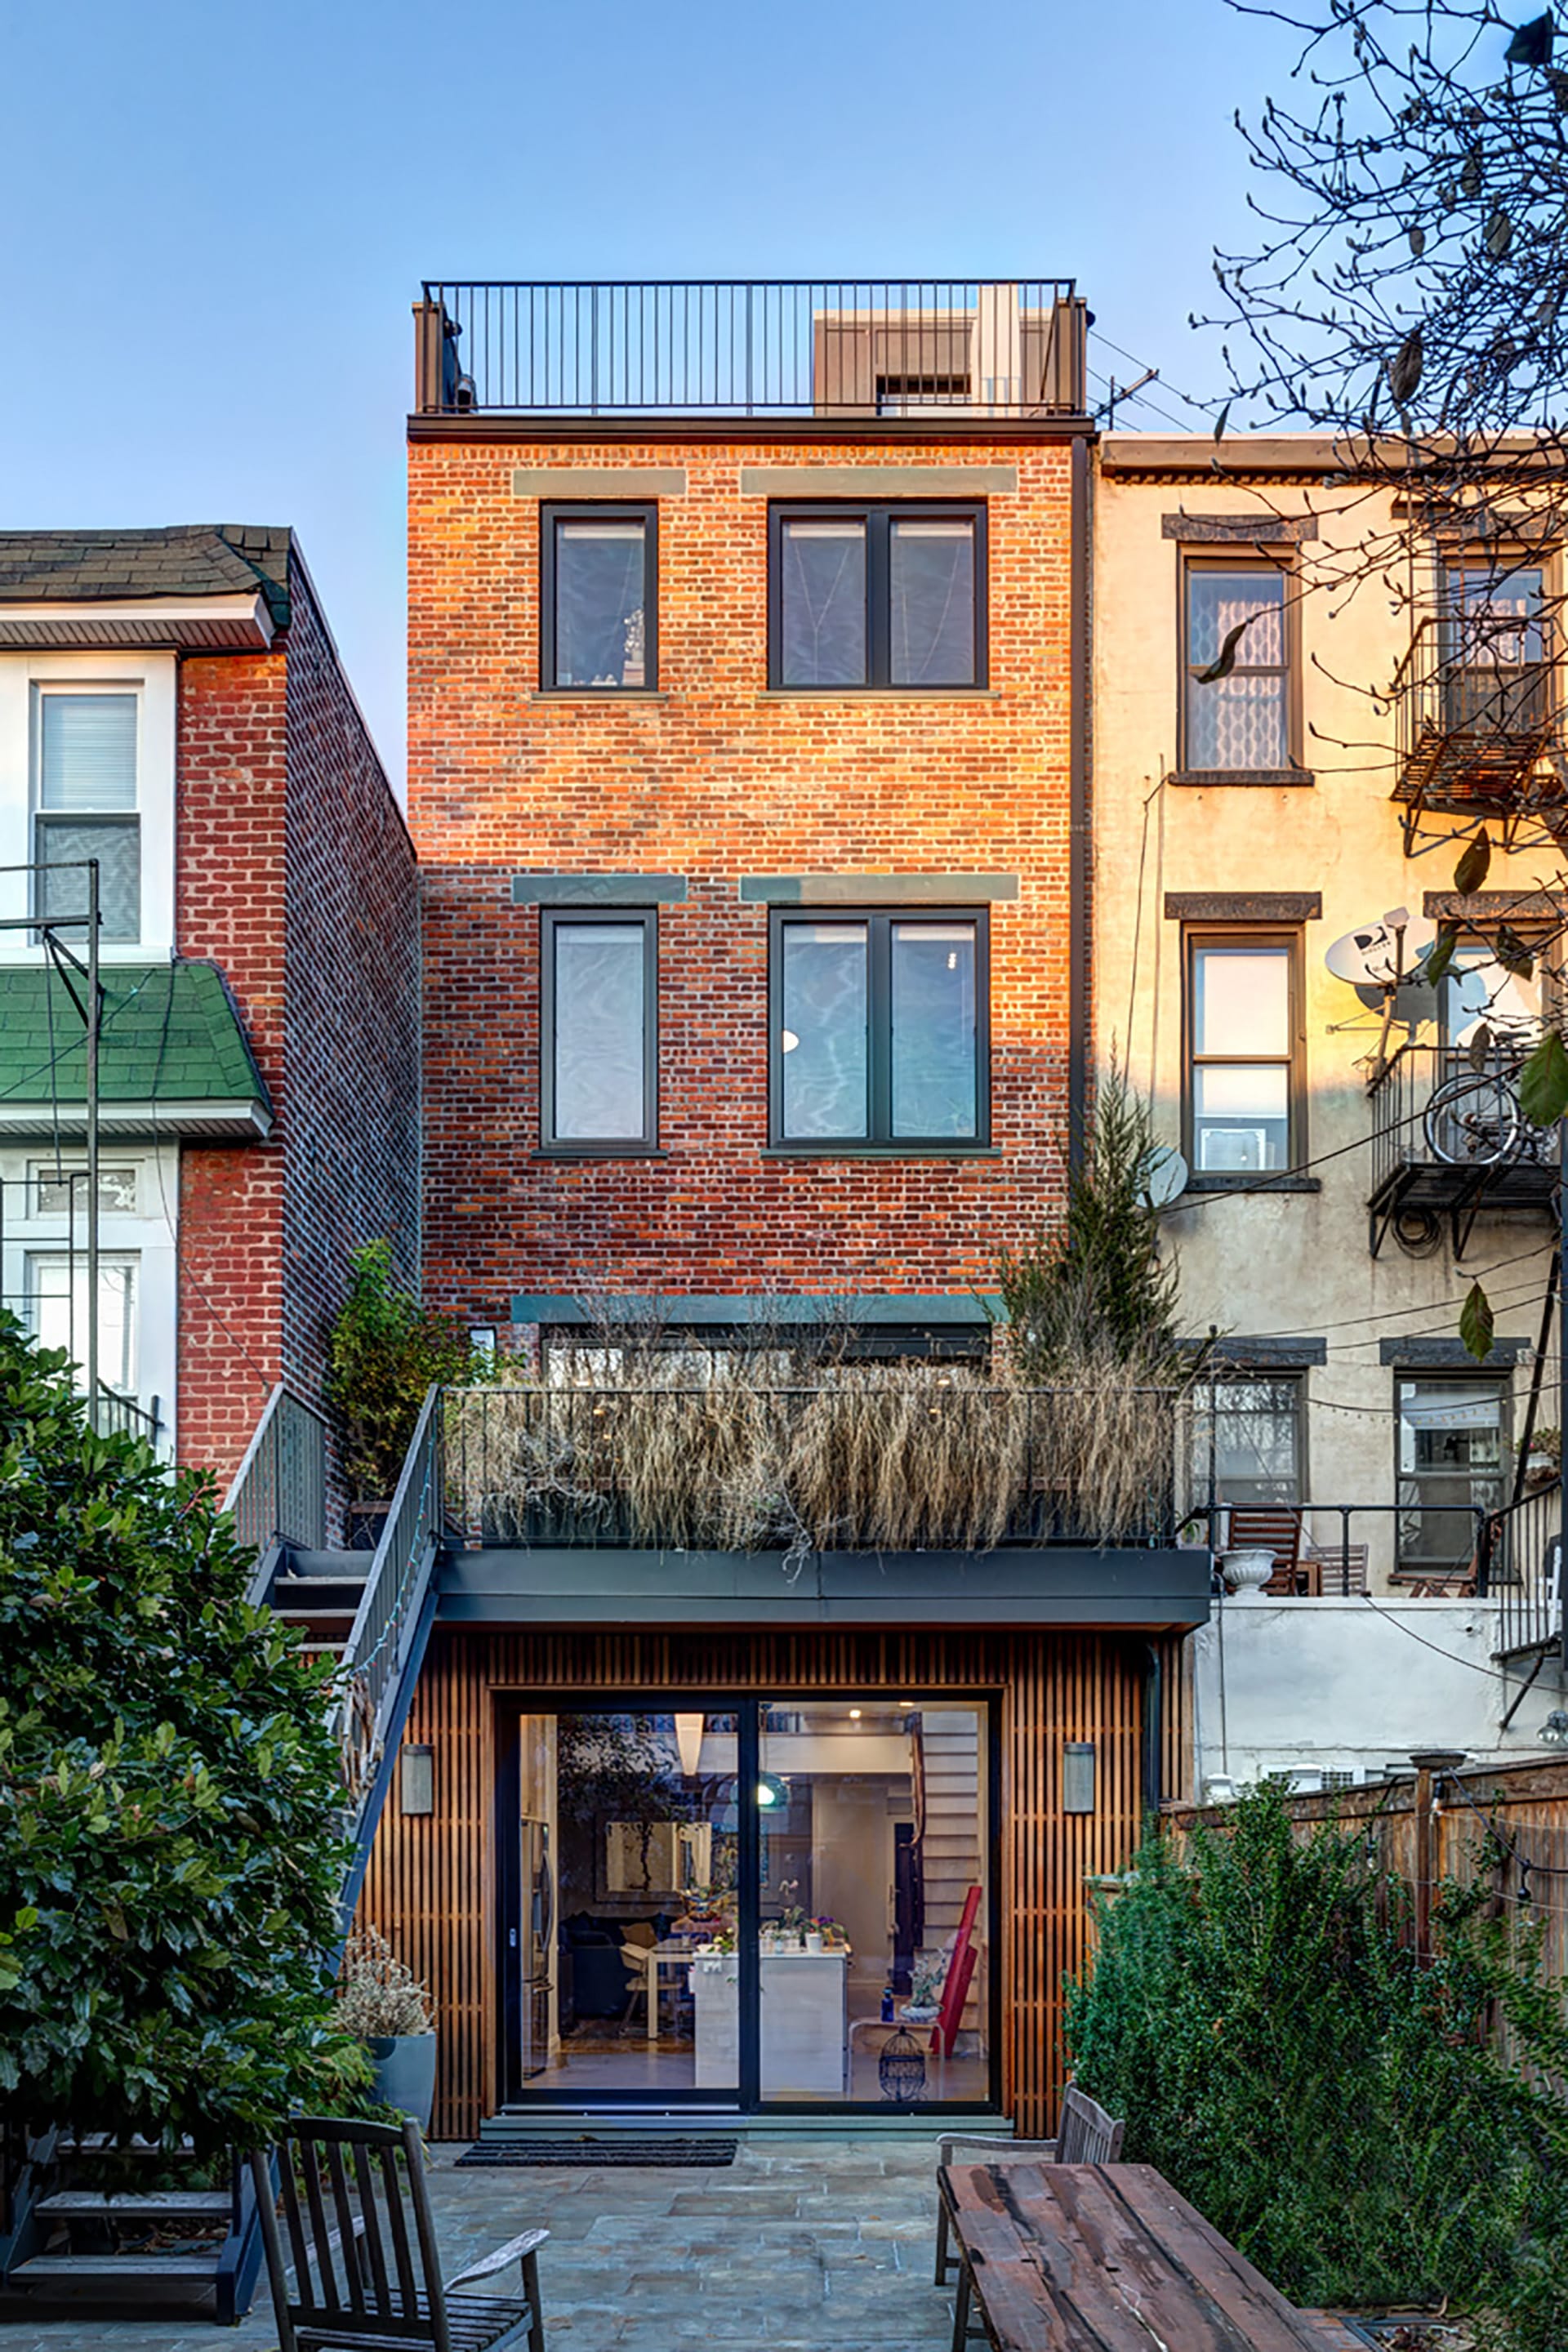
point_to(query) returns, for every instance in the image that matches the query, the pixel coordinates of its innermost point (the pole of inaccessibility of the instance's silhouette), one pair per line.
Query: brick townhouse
(748, 642)
(171, 704)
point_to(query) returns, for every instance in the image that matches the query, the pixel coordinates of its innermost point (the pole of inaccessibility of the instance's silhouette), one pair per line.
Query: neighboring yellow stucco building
(1242, 824)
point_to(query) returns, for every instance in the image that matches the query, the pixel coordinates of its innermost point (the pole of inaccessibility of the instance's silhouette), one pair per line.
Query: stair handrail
(278, 1493)
(395, 1589)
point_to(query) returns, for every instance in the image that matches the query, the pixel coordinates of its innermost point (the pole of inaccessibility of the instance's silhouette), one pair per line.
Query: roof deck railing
(896, 349)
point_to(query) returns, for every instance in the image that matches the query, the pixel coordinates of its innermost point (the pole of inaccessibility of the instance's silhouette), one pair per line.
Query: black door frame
(747, 1708)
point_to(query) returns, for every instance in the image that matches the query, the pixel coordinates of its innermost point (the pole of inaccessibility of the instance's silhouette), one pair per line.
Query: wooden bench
(1105, 2258)
(1085, 2135)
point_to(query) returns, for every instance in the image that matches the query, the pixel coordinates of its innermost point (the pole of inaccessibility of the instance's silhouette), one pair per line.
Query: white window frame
(24, 678)
(54, 1253)
(148, 1236)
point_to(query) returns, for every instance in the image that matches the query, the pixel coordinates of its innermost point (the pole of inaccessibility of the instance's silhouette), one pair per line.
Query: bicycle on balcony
(1475, 1119)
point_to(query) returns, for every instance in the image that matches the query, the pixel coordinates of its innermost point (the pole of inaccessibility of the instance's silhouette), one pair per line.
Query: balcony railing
(1478, 704)
(1450, 1138)
(899, 1467)
(123, 1416)
(895, 348)
(1525, 1556)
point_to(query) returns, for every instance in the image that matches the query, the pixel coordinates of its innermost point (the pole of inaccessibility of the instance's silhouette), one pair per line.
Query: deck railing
(918, 1466)
(887, 347)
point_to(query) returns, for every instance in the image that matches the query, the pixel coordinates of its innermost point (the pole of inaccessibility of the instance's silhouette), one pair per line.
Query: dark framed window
(1246, 720)
(599, 1031)
(877, 596)
(1496, 679)
(1247, 1438)
(1451, 1440)
(599, 599)
(879, 1030)
(1242, 1090)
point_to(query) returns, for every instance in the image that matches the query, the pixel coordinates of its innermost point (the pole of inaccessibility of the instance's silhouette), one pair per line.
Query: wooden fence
(1506, 1825)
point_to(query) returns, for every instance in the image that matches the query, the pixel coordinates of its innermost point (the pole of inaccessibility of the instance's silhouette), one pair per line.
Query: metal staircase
(73, 2236)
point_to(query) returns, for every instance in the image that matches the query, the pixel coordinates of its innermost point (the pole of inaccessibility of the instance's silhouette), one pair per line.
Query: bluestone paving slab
(799, 2245)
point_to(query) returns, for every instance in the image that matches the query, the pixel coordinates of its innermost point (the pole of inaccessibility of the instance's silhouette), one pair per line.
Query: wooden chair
(1256, 1527)
(362, 2280)
(1085, 2135)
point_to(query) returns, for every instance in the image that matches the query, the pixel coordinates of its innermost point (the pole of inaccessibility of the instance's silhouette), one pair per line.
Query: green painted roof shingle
(170, 1033)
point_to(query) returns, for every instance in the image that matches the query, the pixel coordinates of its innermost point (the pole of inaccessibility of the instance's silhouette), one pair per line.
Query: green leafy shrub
(1367, 2130)
(387, 1351)
(170, 1795)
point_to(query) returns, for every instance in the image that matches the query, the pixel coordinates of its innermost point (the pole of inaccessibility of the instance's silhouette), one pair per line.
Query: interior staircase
(951, 1849)
(79, 2230)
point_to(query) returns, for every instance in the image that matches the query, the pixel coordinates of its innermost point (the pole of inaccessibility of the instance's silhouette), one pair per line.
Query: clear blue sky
(216, 217)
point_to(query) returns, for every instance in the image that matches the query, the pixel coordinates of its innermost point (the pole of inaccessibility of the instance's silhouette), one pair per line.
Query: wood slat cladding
(429, 1888)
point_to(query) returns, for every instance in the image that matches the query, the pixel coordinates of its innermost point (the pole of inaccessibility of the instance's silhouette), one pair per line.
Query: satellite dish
(1372, 956)
(1163, 1176)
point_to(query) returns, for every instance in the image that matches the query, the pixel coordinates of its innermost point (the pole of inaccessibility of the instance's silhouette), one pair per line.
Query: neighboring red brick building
(756, 762)
(173, 700)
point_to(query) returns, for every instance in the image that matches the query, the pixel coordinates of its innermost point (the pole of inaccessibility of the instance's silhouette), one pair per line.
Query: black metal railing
(1333, 1550)
(124, 1416)
(1477, 704)
(826, 1468)
(1524, 1555)
(1447, 1107)
(889, 347)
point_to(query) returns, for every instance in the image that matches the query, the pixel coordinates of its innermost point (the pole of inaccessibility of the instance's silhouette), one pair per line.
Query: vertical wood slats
(429, 1887)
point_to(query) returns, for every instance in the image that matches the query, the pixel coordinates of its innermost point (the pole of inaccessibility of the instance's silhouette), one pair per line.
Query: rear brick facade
(715, 779)
(295, 875)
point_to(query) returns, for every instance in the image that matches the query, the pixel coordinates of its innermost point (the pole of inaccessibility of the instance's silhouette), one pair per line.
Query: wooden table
(1106, 2258)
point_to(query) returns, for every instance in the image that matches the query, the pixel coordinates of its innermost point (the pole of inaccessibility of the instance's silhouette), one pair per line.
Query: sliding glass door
(748, 1903)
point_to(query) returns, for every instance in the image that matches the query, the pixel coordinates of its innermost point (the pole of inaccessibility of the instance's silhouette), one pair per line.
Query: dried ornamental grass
(897, 1458)
(378, 1997)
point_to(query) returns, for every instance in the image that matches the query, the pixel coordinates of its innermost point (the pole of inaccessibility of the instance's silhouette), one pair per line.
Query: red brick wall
(229, 899)
(296, 875)
(715, 781)
(351, 1000)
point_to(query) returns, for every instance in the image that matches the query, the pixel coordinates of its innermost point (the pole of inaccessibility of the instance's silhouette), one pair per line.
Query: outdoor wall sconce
(1553, 1732)
(416, 1780)
(1077, 1776)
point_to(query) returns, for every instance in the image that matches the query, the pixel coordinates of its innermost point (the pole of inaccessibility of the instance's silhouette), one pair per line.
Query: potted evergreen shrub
(384, 2004)
(387, 1351)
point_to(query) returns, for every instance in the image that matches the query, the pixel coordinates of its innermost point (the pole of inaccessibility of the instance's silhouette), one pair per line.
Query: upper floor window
(1245, 1434)
(1496, 677)
(1243, 1081)
(85, 805)
(1241, 719)
(599, 1001)
(877, 596)
(599, 602)
(57, 1296)
(879, 1030)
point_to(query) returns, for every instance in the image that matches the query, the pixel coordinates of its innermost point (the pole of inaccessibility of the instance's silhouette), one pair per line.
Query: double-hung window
(599, 1027)
(599, 599)
(1451, 1437)
(877, 597)
(1247, 1439)
(85, 807)
(880, 1031)
(1235, 618)
(1243, 1066)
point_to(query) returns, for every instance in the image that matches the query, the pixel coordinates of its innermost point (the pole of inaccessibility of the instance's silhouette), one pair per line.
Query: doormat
(688, 2153)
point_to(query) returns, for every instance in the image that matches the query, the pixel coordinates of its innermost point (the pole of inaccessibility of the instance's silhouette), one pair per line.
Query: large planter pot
(405, 2071)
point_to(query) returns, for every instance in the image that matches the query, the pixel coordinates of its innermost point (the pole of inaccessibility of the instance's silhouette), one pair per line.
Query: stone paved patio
(820, 2245)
